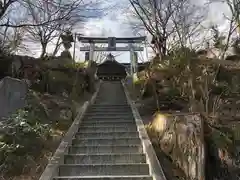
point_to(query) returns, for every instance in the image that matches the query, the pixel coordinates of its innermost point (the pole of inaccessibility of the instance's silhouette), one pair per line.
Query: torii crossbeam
(96, 48)
(126, 40)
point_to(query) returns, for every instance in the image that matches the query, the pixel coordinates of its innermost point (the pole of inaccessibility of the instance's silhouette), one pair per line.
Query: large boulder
(181, 137)
(12, 95)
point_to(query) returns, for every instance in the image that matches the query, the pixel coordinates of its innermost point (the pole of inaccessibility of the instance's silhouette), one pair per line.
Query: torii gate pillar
(91, 53)
(132, 60)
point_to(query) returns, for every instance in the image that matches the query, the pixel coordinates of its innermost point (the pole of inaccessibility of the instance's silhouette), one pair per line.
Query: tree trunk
(58, 44)
(44, 50)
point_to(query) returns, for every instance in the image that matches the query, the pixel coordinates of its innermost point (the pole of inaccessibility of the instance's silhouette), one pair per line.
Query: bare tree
(234, 8)
(187, 19)
(11, 40)
(6, 6)
(167, 20)
(151, 14)
(60, 19)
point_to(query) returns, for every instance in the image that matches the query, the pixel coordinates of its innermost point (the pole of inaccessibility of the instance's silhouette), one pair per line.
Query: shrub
(22, 138)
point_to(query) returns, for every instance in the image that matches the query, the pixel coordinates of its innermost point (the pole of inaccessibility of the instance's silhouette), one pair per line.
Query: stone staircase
(107, 144)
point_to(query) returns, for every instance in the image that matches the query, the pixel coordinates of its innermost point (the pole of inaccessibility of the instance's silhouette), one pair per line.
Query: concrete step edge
(99, 177)
(109, 112)
(108, 154)
(102, 132)
(111, 120)
(79, 137)
(107, 116)
(101, 126)
(108, 122)
(112, 106)
(107, 126)
(112, 138)
(113, 144)
(109, 109)
(112, 116)
(95, 165)
(120, 145)
(94, 132)
(98, 120)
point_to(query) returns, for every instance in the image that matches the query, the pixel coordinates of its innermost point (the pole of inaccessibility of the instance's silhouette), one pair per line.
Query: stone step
(110, 109)
(119, 100)
(106, 141)
(103, 169)
(101, 128)
(106, 123)
(120, 112)
(104, 159)
(102, 103)
(117, 110)
(119, 94)
(107, 145)
(115, 96)
(109, 116)
(113, 120)
(107, 102)
(109, 125)
(107, 135)
(110, 106)
(103, 149)
(110, 113)
(106, 95)
(103, 178)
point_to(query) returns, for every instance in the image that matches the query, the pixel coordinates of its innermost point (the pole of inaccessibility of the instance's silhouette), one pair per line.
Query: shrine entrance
(111, 69)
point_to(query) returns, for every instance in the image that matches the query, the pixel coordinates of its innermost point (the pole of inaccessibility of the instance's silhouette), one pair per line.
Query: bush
(22, 138)
(77, 65)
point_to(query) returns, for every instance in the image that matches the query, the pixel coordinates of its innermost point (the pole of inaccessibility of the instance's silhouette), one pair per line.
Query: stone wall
(180, 136)
(12, 95)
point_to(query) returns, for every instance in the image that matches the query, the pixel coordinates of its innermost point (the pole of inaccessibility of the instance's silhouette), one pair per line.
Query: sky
(115, 24)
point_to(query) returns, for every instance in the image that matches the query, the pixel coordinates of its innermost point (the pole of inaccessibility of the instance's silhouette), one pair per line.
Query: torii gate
(112, 41)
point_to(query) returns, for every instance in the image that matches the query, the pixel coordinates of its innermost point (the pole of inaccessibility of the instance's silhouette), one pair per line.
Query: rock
(12, 95)
(160, 123)
(181, 137)
(66, 114)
